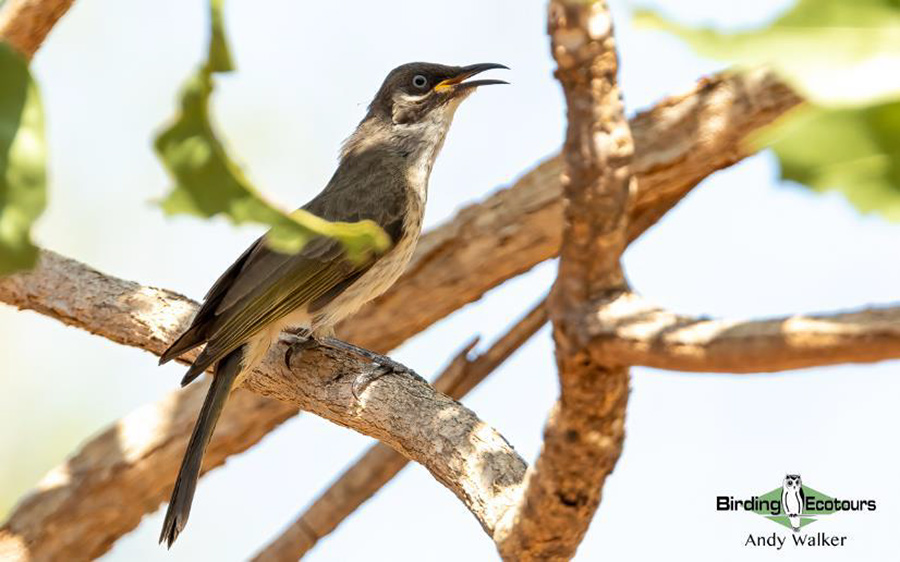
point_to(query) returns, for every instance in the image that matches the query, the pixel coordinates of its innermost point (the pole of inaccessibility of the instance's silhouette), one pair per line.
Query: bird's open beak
(457, 84)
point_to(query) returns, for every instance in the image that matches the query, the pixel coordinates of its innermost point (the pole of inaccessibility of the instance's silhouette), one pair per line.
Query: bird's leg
(300, 340)
(382, 360)
(386, 364)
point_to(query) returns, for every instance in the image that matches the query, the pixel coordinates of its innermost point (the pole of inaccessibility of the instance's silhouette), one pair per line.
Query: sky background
(741, 245)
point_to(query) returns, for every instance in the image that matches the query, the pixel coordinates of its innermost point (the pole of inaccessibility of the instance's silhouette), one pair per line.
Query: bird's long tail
(226, 373)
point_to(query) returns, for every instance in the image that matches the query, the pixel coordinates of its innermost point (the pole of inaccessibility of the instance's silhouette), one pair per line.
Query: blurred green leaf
(208, 182)
(843, 56)
(834, 52)
(855, 151)
(22, 161)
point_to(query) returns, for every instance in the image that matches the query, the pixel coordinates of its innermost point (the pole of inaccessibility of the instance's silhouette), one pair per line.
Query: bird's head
(412, 111)
(421, 92)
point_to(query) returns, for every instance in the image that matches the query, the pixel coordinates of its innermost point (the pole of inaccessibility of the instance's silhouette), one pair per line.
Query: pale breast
(380, 276)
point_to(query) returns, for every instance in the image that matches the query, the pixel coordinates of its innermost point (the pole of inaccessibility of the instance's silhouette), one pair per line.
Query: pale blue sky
(740, 245)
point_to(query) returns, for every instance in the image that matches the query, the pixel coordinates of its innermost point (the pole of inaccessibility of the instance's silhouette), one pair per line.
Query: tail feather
(199, 366)
(179, 508)
(187, 341)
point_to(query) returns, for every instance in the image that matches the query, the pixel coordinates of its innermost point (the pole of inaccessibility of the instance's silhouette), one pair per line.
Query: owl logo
(793, 499)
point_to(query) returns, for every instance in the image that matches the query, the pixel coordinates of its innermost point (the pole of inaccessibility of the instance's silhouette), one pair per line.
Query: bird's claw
(384, 366)
(295, 344)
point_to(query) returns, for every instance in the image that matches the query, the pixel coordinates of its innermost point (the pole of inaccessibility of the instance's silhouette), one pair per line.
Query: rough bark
(24, 24)
(632, 331)
(381, 463)
(461, 451)
(584, 435)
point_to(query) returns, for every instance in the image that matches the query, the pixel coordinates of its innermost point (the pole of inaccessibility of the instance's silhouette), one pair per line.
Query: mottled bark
(584, 434)
(629, 330)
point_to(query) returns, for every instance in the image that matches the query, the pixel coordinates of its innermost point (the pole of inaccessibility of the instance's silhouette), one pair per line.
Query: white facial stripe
(409, 98)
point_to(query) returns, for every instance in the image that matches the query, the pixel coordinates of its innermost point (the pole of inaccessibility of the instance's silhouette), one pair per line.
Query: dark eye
(419, 81)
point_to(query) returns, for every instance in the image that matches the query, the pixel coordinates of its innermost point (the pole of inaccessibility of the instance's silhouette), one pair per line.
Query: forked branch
(584, 434)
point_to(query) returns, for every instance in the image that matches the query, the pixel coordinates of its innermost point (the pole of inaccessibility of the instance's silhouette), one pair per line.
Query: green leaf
(209, 183)
(22, 161)
(834, 52)
(854, 151)
(843, 56)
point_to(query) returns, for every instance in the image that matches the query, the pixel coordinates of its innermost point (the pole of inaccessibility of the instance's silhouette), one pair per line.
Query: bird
(382, 176)
(793, 499)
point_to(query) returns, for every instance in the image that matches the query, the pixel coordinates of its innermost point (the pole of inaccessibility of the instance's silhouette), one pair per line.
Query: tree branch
(24, 24)
(632, 331)
(583, 437)
(381, 463)
(461, 451)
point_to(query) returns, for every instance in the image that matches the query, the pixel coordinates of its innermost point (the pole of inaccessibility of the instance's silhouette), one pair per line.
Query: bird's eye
(419, 81)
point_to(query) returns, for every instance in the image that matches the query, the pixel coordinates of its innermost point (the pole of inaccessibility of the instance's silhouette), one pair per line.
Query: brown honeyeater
(382, 176)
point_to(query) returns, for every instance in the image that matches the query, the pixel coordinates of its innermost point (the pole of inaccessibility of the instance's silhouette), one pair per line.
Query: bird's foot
(383, 364)
(297, 343)
(381, 368)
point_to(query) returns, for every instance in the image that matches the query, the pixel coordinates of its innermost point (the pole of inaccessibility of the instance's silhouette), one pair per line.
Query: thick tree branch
(381, 463)
(461, 451)
(632, 331)
(583, 437)
(684, 139)
(24, 24)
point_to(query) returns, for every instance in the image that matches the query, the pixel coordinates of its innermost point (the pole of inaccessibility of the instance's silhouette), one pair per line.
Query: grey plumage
(382, 176)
